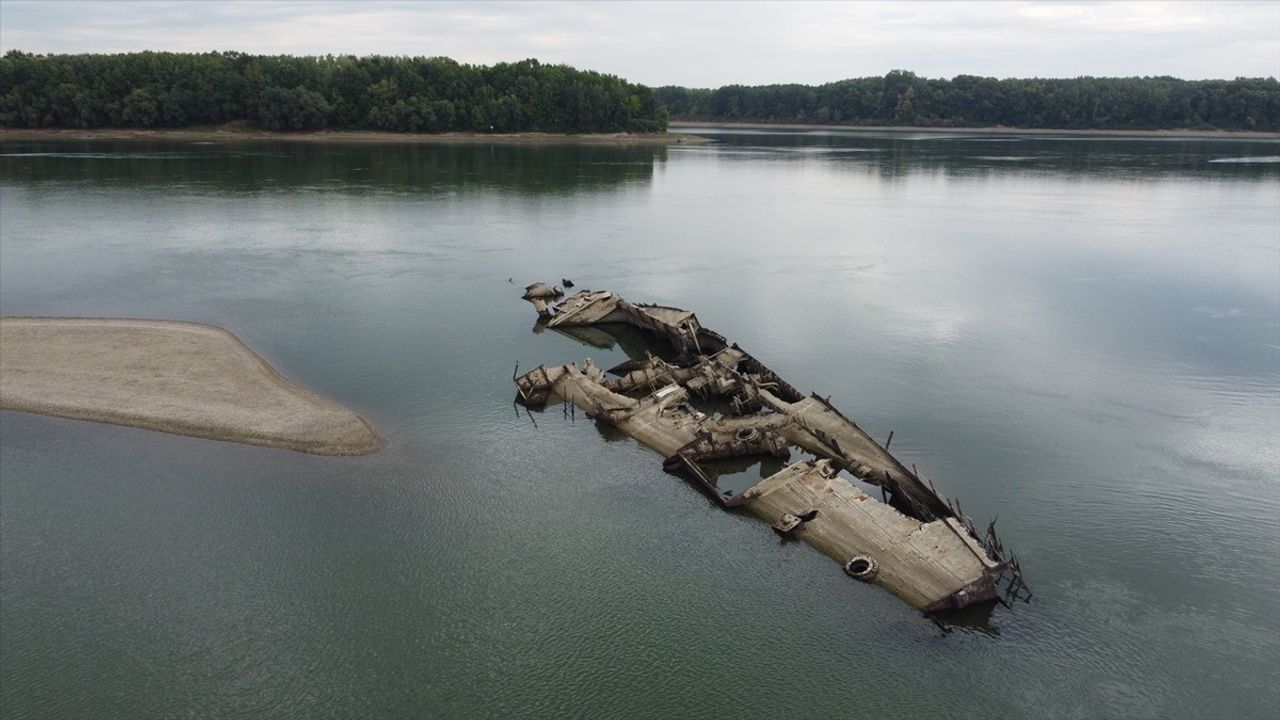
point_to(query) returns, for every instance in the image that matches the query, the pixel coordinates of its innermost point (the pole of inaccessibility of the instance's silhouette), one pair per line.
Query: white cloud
(697, 43)
(1054, 12)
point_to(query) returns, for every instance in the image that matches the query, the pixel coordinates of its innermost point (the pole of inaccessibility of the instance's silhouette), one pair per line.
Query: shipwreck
(911, 541)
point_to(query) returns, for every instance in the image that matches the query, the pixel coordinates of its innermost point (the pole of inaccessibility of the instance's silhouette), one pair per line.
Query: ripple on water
(483, 565)
(107, 156)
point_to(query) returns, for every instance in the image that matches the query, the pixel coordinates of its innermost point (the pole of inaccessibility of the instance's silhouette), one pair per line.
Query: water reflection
(636, 343)
(893, 155)
(1090, 351)
(339, 167)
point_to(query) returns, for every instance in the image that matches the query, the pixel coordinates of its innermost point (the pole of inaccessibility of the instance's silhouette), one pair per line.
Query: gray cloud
(697, 43)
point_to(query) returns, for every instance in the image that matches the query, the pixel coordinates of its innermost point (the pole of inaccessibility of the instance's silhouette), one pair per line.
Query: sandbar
(176, 377)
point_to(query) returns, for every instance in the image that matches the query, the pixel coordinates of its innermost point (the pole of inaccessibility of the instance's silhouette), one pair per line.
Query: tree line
(904, 98)
(420, 94)
(407, 94)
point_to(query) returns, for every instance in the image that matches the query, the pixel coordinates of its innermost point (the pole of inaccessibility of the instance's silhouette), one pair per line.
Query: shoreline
(990, 130)
(182, 378)
(224, 134)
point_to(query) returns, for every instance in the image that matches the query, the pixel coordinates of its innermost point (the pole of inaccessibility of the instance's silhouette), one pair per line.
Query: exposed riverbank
(1181, 133)
(175, 377)
(240, 133)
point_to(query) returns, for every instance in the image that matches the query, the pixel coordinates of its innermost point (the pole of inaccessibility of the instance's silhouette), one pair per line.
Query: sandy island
(228, 133)
(175, 377)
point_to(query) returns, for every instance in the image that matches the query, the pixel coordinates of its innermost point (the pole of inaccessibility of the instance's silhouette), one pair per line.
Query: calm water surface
(1080, 336)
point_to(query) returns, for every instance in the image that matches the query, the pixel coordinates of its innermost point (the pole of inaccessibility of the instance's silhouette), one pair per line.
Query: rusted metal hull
(911, 542)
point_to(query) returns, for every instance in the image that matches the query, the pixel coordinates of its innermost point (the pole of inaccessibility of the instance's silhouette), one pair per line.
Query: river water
(1080, 336)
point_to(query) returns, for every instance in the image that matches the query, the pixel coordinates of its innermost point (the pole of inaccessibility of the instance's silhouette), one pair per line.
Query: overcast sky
(699, 44)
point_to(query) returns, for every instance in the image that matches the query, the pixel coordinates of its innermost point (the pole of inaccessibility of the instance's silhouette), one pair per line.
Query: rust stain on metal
(915, 544)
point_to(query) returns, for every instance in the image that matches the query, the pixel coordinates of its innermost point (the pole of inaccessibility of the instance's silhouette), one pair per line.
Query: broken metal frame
(773, 416)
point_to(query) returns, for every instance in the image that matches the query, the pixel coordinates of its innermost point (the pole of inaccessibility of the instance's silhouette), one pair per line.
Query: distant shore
(997, 130)
(238, 134)
(174, 377)
(230, 134)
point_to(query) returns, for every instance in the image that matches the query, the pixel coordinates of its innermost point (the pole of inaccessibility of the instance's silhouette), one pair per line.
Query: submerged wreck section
(911, 541)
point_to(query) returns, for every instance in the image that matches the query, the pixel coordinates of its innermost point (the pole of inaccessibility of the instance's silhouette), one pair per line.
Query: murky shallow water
(1080, 336)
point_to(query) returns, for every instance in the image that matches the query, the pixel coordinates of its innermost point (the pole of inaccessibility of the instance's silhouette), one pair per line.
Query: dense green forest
(150, 89)
(903, 98)
(420, 94)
